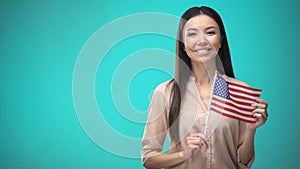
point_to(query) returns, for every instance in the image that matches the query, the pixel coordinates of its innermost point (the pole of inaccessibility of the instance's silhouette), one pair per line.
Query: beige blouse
(225, 134)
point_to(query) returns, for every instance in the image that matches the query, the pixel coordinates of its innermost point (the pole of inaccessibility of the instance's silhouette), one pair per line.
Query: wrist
(182, 156)
(251, 128)
(251, 132)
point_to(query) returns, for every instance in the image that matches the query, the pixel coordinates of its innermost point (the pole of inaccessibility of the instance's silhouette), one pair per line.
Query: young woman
(179, 107)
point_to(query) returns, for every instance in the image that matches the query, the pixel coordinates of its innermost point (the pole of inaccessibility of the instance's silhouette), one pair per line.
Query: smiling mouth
(202, 51)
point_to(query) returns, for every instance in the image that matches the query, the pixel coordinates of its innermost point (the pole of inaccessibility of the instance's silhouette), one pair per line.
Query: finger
(195, 135)
(260, 120)
(196, 141)
(202, 136)
(199, 136)
(193, 141)
(260, 117)
(203, 142)
(259, 105)
(192, 146)
(193, 138)
(261, 111)
(262, 101)
(195, 147)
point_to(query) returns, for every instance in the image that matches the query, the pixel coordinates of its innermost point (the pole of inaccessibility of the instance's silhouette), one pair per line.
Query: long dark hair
(184, 67)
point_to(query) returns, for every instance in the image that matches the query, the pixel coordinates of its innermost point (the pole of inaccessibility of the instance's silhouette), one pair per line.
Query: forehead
(201, 22)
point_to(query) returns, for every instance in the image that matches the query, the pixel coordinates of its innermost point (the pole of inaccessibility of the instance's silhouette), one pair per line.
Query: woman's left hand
(260, 112)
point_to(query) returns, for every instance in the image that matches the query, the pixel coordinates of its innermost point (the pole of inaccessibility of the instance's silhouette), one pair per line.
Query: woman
(179, 107)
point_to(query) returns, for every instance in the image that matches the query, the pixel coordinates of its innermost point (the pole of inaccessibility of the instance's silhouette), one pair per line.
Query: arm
(165, 160)
(172, 159)
(246, 151)
(247, 148)
(155, 133)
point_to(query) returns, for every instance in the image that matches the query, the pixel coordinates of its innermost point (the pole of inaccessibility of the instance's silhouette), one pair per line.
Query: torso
(204, 94)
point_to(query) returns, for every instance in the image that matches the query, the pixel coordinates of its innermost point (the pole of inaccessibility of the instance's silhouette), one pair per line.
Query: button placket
(209, 149)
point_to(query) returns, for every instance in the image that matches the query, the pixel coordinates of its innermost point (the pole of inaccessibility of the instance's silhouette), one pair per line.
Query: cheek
(190, 42)
(215, 42)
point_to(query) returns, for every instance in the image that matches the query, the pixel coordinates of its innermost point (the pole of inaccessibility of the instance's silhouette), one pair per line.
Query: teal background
(40, 42)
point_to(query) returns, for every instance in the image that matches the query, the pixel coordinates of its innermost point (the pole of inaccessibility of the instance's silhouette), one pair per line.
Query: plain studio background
(40, 44)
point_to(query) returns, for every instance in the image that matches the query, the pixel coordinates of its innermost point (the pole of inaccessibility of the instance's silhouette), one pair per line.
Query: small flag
(234, 100)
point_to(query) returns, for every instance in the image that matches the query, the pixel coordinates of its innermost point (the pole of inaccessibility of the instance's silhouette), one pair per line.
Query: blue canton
(221, 88)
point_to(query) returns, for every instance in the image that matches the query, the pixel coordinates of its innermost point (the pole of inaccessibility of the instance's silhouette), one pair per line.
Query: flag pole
(208, 109)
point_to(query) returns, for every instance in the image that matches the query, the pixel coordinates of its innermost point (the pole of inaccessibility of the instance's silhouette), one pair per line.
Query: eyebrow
(210, 27)
(192, 29)
(195, 29)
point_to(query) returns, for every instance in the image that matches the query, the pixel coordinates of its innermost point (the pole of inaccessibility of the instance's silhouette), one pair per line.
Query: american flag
(234, 100)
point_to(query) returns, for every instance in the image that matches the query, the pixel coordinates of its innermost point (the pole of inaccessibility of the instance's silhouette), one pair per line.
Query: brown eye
(211, 32)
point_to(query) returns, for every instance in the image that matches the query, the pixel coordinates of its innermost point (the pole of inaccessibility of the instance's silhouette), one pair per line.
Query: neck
(204, 73)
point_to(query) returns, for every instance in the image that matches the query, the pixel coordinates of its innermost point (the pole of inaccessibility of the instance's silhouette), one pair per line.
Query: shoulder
(233, 80)
(164, 87)
(162, 92)
(161, 95)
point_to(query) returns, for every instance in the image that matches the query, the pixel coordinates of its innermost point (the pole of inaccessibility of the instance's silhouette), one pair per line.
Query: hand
(260, 112)
(194, 142)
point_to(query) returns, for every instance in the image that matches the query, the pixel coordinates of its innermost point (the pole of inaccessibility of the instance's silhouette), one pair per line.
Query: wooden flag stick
(208, 109)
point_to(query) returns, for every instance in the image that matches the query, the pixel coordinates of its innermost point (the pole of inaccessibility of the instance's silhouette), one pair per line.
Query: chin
(202, 59)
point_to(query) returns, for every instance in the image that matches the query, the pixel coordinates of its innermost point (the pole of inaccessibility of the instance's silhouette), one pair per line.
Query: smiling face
(201, 36)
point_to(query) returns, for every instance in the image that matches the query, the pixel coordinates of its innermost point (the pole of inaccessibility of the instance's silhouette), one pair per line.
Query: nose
(201, 40)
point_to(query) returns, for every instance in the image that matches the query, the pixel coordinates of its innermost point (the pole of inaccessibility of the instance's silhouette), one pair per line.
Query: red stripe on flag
(241, 97)
(240, 102)
(244, 92)
(232, 111)
(233, 117)
(219, 100)
(233, 105)
(243, 86)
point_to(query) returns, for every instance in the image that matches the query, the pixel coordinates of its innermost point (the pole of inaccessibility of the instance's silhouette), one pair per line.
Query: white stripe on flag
(242, 94)
(233, 108)
(241, 105)
(244, 89)
(233, 114)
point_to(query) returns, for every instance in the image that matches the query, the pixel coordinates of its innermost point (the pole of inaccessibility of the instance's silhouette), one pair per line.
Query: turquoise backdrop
(42, 40)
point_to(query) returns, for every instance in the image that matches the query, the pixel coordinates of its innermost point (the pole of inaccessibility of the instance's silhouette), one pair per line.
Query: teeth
(202, 51)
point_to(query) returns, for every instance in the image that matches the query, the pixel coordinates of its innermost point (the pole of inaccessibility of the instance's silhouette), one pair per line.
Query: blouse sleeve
(157, 125)
(242, 132)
